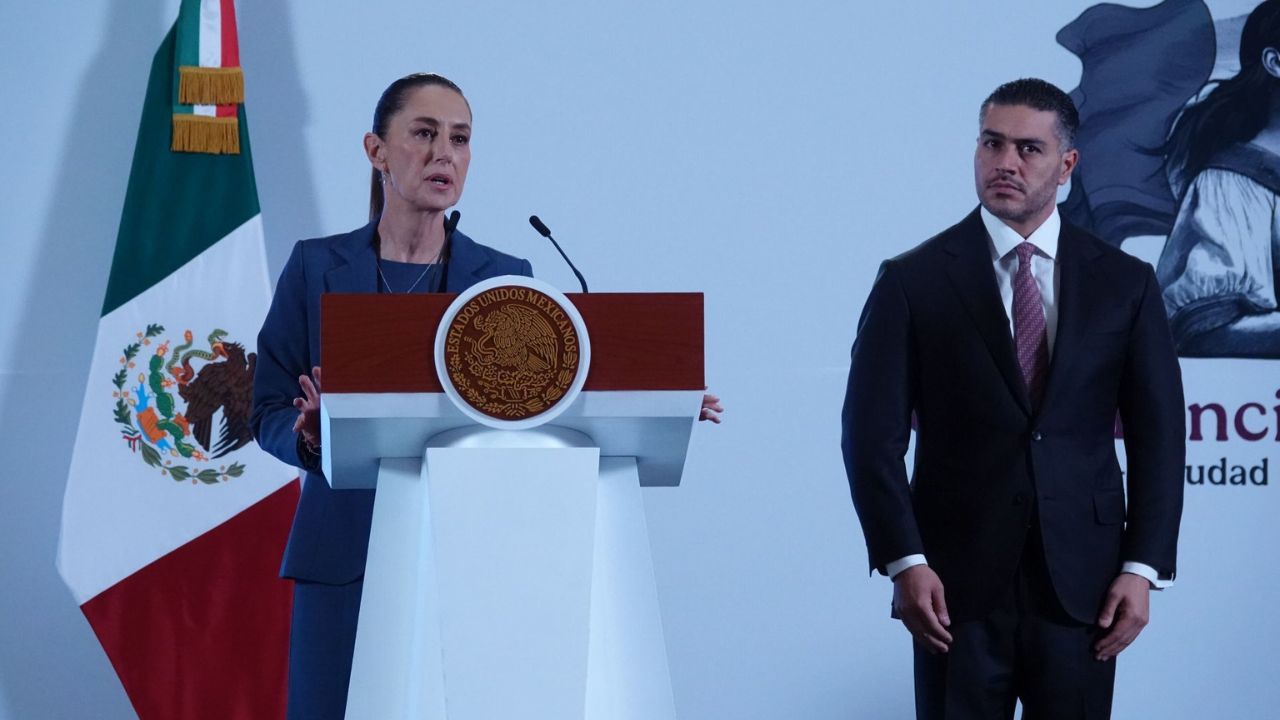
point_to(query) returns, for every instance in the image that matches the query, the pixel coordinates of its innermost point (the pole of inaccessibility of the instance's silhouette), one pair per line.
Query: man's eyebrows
(1017, 141)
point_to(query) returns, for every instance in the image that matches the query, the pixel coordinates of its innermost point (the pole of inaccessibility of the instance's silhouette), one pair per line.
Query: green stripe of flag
(188, 34)
(187, 52)
(177, 204)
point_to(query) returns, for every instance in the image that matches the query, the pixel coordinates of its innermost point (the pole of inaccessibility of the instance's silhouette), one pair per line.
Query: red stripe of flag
(230, 48)
(190, 633)
(230, 42)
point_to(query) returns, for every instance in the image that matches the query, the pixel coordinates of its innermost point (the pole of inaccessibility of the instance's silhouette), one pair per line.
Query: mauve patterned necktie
(1029, 333)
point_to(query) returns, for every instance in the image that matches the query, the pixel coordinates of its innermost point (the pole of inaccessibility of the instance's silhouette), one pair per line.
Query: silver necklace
(426, 270)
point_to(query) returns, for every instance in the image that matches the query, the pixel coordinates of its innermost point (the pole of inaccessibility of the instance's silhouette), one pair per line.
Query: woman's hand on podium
(711, 408)
(308, 422)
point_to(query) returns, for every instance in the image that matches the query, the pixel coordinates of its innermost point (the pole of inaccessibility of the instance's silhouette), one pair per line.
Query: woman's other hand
(308, 422)
(711, 408)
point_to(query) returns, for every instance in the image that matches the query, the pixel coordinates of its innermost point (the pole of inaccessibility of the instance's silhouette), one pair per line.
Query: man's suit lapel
(974, 278)
(355, 270)
(1075, 278)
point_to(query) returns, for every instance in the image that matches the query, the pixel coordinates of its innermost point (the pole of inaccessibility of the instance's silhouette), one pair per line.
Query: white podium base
(627, 673)
(509, 576)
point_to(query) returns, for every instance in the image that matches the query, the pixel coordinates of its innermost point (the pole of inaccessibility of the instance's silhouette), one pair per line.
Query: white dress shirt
(1044, 268)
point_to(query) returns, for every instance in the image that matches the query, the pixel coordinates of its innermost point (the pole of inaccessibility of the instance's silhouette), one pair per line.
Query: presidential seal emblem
(512, 352)
(182, 418)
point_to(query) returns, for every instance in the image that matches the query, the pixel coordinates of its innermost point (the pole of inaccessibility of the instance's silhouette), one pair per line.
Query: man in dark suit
(1012, 339)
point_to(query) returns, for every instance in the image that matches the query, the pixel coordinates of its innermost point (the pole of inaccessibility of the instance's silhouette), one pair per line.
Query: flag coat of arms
(174, 521)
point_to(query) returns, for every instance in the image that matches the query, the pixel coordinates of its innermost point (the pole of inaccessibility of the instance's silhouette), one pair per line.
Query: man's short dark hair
(1039, 95)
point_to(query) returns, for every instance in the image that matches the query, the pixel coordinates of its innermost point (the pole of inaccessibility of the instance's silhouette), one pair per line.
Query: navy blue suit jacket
(934, 341)
(330, 535)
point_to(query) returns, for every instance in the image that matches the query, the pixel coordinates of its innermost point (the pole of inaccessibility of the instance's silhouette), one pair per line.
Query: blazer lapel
(1074, 280)
(355, 270)
(974, 278)
(465, 263)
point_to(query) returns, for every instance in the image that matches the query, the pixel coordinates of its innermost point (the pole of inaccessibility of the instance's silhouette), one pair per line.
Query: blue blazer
(330, 535)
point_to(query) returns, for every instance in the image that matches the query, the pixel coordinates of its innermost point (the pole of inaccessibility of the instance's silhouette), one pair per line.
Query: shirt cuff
(897, 566)
(1147, 572)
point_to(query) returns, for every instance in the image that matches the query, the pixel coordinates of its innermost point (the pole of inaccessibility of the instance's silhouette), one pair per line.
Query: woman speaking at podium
(419, 148)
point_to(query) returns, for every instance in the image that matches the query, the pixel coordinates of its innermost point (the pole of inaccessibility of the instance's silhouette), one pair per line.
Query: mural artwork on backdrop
(179, 440)
(1180, 125)
(1180, 143)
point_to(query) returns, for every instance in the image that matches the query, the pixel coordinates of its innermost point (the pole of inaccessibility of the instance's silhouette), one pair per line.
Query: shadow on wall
(278, 113)
(50, 662)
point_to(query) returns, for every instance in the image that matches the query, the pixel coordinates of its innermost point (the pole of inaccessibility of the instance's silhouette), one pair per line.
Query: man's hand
(1124, 613)
(918, 599)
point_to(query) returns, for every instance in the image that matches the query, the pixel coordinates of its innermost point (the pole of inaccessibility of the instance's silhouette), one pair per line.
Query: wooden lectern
(509, 571)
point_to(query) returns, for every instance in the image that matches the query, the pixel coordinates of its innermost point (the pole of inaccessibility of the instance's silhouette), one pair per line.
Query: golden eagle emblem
(218, 396)
(511, 352)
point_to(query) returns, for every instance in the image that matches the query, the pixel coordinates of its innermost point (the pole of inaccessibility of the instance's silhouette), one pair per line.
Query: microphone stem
(572, 267)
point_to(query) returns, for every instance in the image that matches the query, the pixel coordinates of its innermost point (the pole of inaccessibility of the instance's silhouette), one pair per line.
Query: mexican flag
(174, 520)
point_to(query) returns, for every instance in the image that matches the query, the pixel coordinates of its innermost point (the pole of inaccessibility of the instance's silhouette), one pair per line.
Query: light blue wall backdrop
(768, 154)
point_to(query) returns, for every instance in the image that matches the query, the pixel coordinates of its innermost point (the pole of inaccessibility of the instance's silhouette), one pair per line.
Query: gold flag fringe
(204, 134)
(210, 85)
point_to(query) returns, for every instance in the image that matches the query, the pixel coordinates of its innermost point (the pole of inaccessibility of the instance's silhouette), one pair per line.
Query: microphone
(545, 232)
(442, 278)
